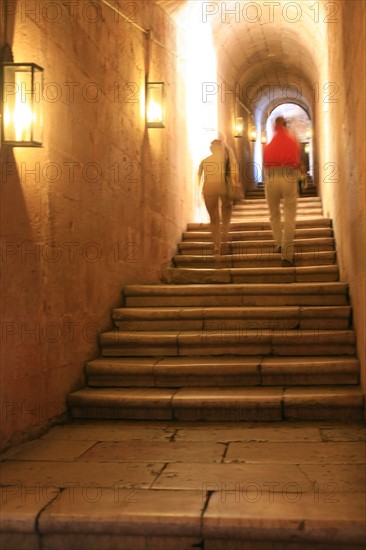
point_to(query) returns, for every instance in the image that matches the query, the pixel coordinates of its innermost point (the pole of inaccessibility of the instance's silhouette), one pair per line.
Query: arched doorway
(299, 123)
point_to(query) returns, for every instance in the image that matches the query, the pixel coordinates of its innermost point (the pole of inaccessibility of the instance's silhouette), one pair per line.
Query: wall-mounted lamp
(155, 104)
(239, 127)
(252, 133)
(22, 109)
(307, 148)
(264, 138)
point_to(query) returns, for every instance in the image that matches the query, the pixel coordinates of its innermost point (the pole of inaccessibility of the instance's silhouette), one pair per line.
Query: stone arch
(299, 121)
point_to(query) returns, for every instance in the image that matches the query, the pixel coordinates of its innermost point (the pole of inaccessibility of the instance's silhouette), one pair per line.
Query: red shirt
(283, 150)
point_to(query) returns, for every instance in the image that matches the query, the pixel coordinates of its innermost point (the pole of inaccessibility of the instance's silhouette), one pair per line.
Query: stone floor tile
(19, 541)
(154, 451)
(246, 432)
(70, 475)
(126, 426)
(42, 449)
(227, 544)
(307, 478)
(296, 453)
(20, 507)
(350, 433)
(76, 541)
(106, 432)
(126, 512)
(237, 478)
(331, 479)
(287, 516)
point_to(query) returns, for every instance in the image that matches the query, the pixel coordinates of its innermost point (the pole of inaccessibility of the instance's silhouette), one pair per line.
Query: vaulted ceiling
(273, 44)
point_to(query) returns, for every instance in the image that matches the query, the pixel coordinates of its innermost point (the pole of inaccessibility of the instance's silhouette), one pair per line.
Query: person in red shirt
(282, 164)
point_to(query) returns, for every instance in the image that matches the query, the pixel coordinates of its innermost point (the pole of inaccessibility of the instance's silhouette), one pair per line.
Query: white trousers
(281, 184)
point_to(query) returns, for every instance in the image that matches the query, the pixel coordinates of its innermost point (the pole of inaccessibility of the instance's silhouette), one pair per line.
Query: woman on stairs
(212, 183)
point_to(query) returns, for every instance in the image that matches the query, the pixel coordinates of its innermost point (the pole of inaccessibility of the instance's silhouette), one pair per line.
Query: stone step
(308, 233)
(259, 259)
(174, 275)
(262, 211)
(213, 514)
(304, 202)
(255, 217)
(229, 404)
(251, 216)
(262, 200)
(254, 246)
(298, 294)
(246, 341)
(207, 371)
(264, 214)
(301, 201)
(255, 196)
(309, 193)
(263, 206)
(232, 318)
(259, 225)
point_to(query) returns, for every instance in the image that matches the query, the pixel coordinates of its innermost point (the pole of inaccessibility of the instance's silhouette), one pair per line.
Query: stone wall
(344, 193)
(102, 204)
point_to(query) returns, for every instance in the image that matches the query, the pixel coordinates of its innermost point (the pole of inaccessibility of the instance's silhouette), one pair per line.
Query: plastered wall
(343, 156)
(101, 205)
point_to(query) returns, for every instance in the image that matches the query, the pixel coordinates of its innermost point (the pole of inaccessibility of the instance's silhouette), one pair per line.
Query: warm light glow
(154, 112)
(253, 134)
(22, 114)
(155, 104)
(7, 117)
(264, 138)
(201, 91)
(239, 127)
(22, 87)
(307, 148)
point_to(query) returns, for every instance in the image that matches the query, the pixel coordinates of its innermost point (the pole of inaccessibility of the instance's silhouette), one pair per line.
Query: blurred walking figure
(282, 162)
(212, 180)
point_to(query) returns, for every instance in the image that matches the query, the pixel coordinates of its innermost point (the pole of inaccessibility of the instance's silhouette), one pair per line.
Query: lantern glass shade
(22, 90)
(239, 126)
(155, 104)
(253, 134)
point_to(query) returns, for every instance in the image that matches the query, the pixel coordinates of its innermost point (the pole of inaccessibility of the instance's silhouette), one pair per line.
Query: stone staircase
(257, 191)
(235, 337)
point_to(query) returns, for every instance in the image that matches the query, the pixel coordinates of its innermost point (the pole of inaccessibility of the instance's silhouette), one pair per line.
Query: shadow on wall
(22, 280)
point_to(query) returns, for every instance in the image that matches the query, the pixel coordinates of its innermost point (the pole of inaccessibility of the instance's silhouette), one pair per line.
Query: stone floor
(127, 485)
